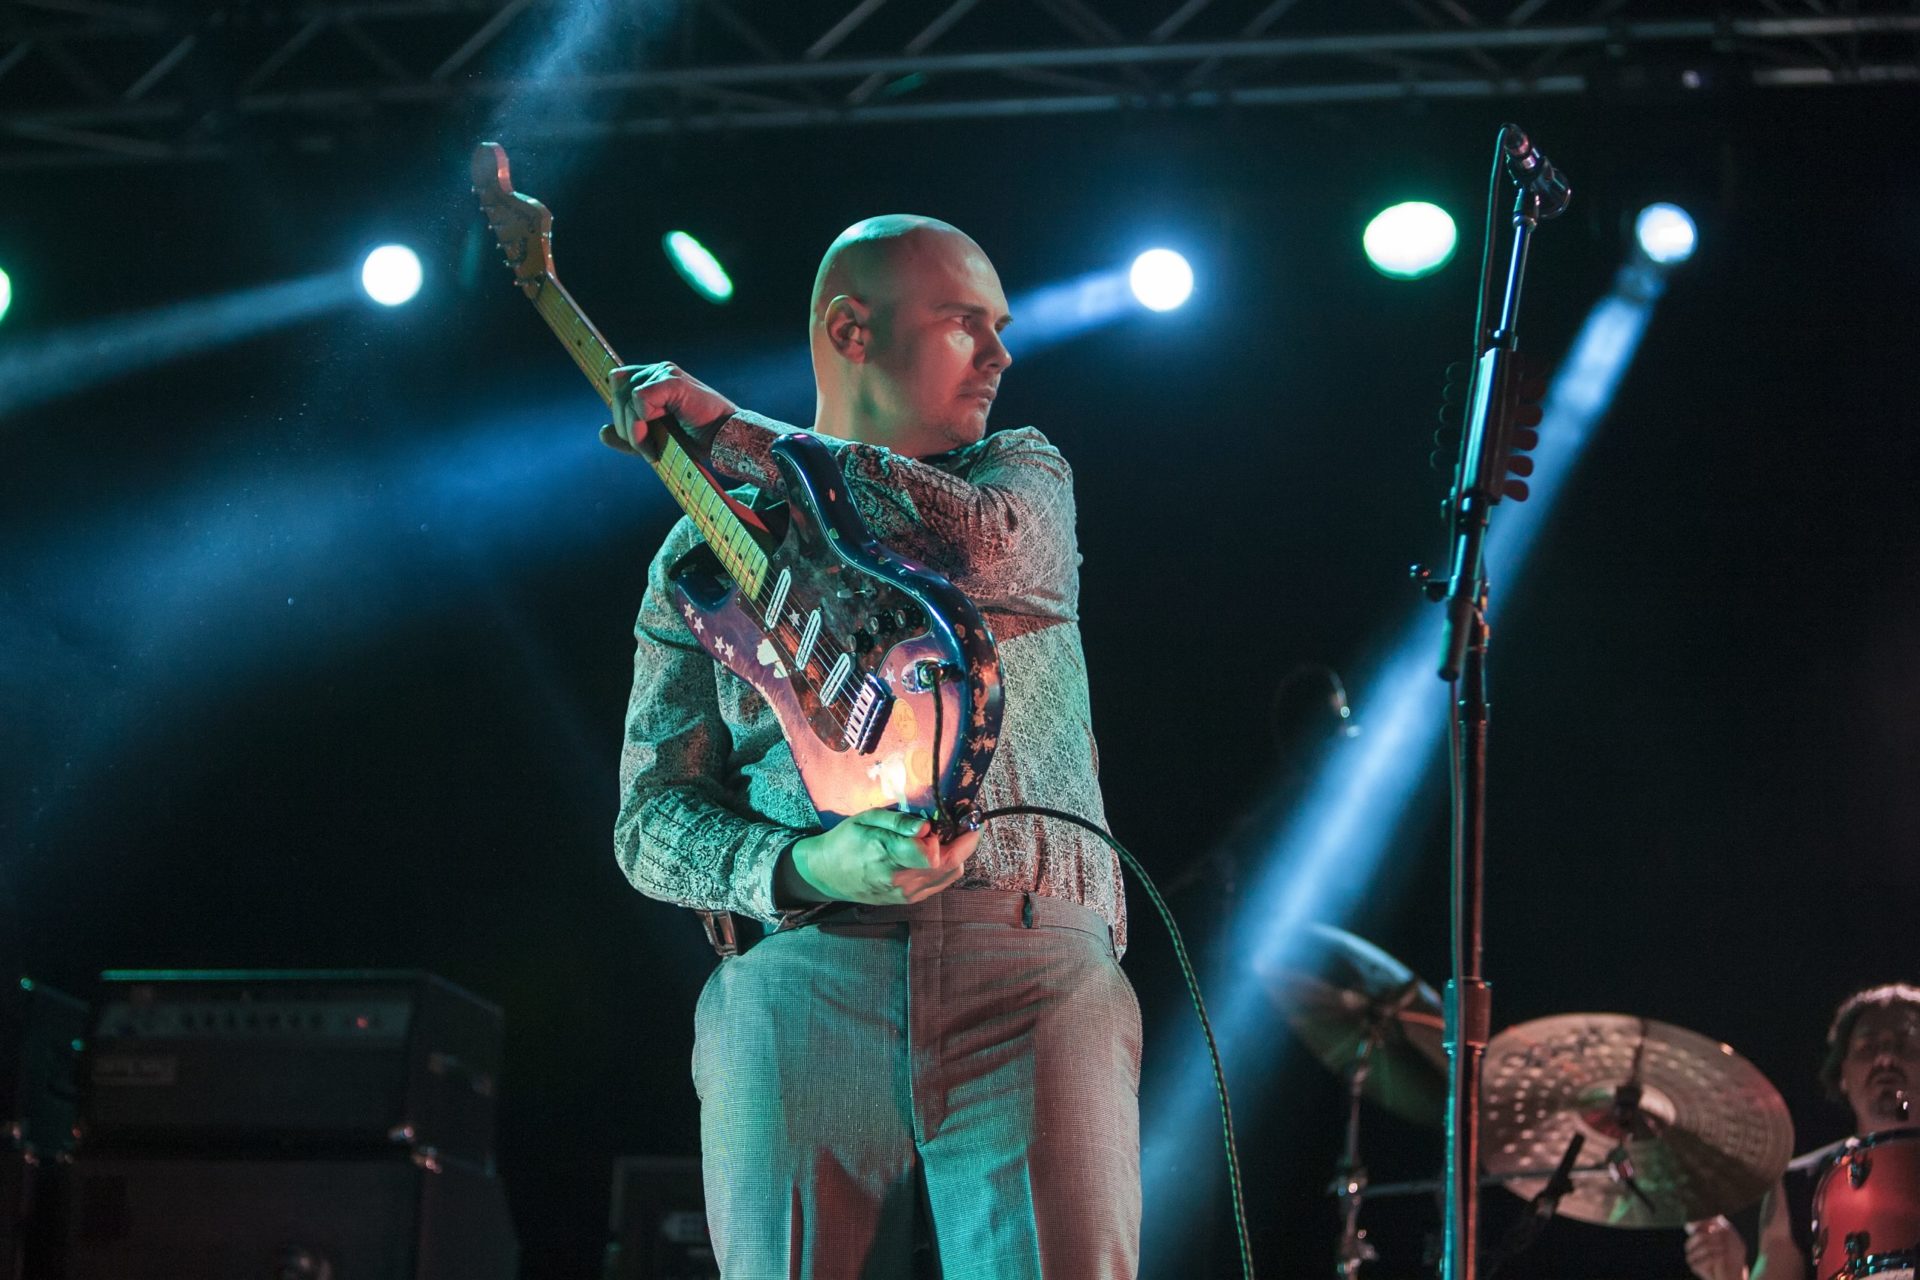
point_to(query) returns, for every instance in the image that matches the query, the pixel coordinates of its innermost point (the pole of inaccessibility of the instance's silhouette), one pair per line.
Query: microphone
(1349, 727)
(1303, 696)
(1531, 171)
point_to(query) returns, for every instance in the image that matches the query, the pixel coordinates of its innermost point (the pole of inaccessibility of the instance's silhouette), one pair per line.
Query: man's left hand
(642, 392)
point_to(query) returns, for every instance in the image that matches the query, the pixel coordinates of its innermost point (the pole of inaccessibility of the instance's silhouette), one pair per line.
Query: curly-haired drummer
(1872, 1065)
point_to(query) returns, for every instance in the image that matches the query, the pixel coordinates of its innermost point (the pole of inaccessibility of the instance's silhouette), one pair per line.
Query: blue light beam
(36, 370)
(1325, 853)
(1057, 313)
(123, 626)
(542, 100)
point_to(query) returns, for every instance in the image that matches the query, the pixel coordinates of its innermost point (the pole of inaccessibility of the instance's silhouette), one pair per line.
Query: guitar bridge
(868, 717)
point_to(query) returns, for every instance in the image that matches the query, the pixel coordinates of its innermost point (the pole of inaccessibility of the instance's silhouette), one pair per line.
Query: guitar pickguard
(894, 631)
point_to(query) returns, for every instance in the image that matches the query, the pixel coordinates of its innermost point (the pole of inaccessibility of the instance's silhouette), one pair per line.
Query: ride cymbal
(1686, 1127)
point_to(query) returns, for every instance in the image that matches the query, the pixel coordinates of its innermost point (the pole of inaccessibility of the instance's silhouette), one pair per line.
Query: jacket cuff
(741, 445)
(754, 869)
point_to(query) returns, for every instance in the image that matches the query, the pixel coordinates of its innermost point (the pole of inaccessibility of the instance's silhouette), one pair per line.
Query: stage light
(1409, 240)
(697, 266)
(391, 275)
(1161, 279)
(1666, 234)
(6, 293)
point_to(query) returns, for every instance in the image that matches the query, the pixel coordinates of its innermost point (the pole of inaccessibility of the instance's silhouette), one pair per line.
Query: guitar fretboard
(690, 486)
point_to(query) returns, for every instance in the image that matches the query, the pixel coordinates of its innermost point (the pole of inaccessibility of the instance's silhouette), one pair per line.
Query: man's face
(936, 356)
(1882, 1065)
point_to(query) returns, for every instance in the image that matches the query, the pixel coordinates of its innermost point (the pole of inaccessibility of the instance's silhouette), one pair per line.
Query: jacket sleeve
(683, 835)
(1003, 533)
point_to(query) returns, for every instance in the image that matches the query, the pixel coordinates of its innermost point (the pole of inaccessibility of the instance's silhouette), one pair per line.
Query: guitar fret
(737, 551)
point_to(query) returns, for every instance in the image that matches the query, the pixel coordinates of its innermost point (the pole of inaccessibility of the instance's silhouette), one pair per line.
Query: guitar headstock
(521, 224)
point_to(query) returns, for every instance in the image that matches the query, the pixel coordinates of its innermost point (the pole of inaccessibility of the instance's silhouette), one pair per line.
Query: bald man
(930, 1063)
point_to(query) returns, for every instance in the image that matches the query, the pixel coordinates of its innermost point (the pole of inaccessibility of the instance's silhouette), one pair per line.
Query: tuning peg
(1515, 489)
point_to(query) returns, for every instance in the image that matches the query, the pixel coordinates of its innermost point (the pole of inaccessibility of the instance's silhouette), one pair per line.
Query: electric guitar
(882, 675)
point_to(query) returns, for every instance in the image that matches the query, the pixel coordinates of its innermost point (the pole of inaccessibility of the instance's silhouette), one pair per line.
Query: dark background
(316, 644)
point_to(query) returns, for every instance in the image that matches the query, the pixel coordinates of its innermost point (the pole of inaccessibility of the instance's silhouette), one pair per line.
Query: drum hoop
(1853, 1146)
(1880, 1263)
(1882, 1138)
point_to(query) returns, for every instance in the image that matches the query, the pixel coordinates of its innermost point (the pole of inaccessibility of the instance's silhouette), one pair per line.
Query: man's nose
(994, 354)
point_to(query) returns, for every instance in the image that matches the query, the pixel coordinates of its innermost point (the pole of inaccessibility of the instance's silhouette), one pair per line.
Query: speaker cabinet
(659, 1226)
(150, 1218)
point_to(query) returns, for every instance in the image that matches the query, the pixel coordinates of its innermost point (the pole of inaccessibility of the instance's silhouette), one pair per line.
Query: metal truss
(91, 82)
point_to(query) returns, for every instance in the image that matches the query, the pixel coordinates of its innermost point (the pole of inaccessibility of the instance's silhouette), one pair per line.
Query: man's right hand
(1715, 1250)
(881, 857)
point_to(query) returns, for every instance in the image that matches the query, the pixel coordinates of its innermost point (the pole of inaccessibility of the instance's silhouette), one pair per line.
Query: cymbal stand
(1625, 1116)
(1350, 1176)
(1545, 1203)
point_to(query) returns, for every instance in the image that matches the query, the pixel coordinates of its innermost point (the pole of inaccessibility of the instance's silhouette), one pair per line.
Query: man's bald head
(872, 260)
(905, 335)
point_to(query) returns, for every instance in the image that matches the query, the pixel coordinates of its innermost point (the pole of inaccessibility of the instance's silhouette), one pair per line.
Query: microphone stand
(1479, 482)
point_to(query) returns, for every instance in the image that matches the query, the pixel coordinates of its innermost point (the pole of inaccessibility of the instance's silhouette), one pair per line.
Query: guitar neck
(692, 485)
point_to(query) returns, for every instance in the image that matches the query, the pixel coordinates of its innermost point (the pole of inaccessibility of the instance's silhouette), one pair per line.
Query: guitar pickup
(868, 716)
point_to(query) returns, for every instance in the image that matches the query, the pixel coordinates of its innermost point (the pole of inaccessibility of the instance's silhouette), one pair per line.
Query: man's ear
(847, 327)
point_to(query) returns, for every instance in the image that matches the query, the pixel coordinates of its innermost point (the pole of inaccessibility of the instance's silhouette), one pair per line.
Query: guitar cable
(1193, 990)
(1132, 864)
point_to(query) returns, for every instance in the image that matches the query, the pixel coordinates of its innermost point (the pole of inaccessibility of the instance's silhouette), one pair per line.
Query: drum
(1866, 1210)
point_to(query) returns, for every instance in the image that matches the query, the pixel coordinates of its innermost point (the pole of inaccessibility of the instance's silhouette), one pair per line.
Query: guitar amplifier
(235, 1062)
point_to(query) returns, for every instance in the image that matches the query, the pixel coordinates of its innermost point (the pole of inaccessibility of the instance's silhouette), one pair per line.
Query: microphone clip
(1534, 174)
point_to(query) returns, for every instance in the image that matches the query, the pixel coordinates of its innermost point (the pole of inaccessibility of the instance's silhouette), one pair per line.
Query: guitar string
(588, 342)
(825, 651)
(582, 343)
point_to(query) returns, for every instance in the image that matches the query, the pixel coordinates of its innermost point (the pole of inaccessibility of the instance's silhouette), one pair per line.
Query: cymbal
(1686, 1127)
(1341, 994)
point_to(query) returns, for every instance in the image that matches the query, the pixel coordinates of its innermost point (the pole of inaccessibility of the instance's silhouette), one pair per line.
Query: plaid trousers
(962, 1072)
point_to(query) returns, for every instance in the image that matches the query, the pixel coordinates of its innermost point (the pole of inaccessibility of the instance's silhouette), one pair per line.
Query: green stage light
(698, 267)
(6, 292)
(1410, 240)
